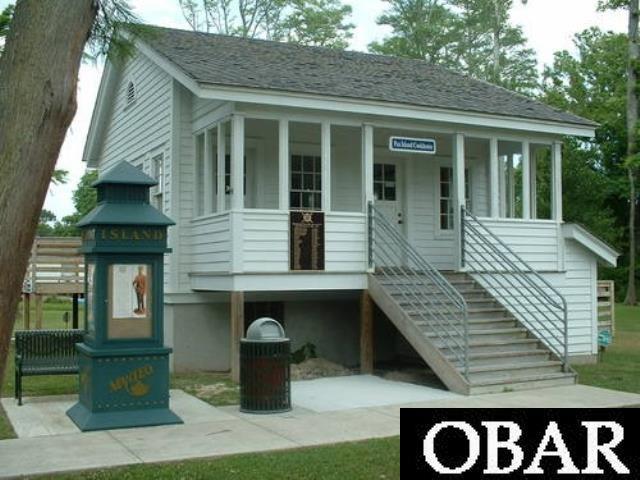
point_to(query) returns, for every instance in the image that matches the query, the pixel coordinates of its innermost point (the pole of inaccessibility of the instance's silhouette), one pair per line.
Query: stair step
(494, 345)
(490, 358)
(522, 383)
(484, 334)
(513, 369)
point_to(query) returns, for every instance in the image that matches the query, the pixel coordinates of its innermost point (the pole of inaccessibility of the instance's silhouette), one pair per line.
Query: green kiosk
(124, 365)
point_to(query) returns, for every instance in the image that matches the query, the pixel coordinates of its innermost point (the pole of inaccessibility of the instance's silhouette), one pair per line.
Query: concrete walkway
(50, 443)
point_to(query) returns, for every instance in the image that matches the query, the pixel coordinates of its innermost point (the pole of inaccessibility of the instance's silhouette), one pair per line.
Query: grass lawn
(372, 459)
(619, 366)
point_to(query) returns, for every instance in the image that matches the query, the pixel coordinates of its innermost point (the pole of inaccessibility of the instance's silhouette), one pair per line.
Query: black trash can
(265, 381)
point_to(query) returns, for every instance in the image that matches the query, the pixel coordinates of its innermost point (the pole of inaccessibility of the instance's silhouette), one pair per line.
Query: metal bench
(45, 352)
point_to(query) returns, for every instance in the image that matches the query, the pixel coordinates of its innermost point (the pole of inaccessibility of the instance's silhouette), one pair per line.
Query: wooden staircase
(503, 355)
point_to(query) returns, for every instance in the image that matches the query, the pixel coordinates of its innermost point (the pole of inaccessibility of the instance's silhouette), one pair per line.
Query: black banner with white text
(520, 443)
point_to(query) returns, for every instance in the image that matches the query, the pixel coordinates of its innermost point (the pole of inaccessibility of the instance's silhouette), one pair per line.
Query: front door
(387, 190)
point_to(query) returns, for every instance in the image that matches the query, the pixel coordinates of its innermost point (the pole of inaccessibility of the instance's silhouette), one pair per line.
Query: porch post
(325, 152)
(367, 165)
(208, 174)
(556, 194)
(236, 330)
(458, 195)
(237, 162)
(494, 177)
(283, 164)
(366, 333)
(222, 153)
(533, 181)
(526, 181)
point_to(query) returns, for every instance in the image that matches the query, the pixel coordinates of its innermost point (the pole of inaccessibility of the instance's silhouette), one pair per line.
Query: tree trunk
(38, 78)
(632, 141)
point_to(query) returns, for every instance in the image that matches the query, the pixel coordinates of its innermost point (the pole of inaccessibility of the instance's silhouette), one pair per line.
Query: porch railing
(426, 293)
(515, 284)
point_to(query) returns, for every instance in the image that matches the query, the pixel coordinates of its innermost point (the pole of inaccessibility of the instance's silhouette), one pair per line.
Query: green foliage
(319, 22)
(84, 200)
(592, 83)
(308, 22)
(5, 20)
(306, 351)
(422, 29)
(470, 36)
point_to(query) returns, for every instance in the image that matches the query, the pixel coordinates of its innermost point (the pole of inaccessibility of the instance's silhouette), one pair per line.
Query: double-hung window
(306, 182)
(446, 196)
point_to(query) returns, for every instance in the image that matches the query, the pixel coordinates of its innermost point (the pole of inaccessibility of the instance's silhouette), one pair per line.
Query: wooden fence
(606, 306)
(56, 267)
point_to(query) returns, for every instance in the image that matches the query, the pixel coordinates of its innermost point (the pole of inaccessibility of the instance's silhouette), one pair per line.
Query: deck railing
(515, 284)
(426, 293)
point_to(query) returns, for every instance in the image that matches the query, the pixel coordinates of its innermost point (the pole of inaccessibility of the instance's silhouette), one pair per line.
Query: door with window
(388, 195)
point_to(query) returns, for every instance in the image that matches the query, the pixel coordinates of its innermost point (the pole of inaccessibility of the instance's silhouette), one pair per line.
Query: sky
(549, 26)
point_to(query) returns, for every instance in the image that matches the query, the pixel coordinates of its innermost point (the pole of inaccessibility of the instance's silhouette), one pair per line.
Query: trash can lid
(264, 330)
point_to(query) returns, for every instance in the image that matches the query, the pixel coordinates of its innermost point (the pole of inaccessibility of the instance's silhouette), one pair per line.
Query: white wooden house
(436, 197)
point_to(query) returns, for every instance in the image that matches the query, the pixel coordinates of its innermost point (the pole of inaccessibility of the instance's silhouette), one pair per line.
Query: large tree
(38, 79)
(591, 81)
(633, 152)
(422, 29)
(308, 22)
(474, 37)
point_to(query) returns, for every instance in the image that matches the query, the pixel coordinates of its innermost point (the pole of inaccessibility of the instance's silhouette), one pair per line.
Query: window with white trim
(157, 164)
(384, 181)
(306, 182)
(446, 196)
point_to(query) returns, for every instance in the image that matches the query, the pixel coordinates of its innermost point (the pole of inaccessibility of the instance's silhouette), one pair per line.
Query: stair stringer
(446, 372)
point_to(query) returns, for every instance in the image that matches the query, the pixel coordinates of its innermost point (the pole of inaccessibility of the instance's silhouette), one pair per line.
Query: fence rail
(56, 267)
(606, 306)
(515, 284)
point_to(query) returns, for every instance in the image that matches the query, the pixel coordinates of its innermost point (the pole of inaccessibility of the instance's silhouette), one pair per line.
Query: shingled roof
(221, 60)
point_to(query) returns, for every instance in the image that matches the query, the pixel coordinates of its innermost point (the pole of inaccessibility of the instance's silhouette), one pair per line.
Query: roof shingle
(232, 61)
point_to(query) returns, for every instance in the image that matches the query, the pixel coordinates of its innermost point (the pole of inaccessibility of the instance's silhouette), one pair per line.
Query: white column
(208, 174)
(237, 162)
(533, 181)
(222, 152)
(511, 197)
(326, 165)
(367, 165)
(494, 177)
(283, 165)
(556, 196)
(526, 181)
(458, 194)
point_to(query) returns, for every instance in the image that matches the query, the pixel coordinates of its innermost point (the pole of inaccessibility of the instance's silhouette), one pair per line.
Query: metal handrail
(520, 288)
(431, 298)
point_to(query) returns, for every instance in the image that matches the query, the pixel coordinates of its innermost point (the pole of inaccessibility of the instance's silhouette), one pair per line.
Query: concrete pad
(340, 426)
(45, 416)
(360, 391)
(41, 416)
(177, 442)
(39, 455)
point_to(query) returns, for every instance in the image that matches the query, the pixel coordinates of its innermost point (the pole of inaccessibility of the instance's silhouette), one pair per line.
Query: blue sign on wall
(412, 145)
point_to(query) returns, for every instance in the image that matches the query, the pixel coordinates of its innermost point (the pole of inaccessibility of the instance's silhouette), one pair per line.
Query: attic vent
(131, 93)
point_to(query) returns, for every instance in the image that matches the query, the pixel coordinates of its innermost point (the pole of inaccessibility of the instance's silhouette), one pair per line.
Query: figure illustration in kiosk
(140, 287)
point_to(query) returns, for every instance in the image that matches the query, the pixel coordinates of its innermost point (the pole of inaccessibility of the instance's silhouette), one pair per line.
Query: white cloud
(548, 24)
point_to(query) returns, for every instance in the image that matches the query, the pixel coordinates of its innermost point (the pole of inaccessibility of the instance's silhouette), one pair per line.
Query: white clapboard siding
(266, 241)
(210, 244)
(578, 287)
(345, 242)
(138, 131)
(535, 241)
